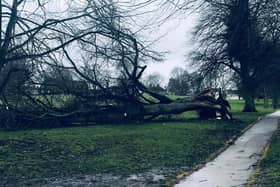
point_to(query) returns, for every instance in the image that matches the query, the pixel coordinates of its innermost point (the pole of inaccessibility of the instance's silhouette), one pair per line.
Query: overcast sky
(177, 42)
(175, 32)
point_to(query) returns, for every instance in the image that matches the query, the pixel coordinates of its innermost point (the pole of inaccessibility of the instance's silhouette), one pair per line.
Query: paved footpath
(235, 165)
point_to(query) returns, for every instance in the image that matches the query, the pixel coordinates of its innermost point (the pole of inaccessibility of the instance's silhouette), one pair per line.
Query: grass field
(270, 166)
(117, 149)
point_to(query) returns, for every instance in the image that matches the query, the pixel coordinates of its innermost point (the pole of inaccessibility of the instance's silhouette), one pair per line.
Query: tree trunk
(249, 98)
(177, 108)
(265, 99)
(275, 100)
(129, 114)
(248, 88)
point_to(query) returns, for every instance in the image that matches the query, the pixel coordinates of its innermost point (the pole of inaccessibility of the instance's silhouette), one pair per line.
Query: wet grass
(116, 149)
(270, 166)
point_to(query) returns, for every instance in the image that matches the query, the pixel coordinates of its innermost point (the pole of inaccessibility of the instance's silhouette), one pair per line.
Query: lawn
(117, 149)
(270, 166)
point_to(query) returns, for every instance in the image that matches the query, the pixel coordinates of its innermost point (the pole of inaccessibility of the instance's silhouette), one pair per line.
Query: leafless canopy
(76, 59)
(239, 36)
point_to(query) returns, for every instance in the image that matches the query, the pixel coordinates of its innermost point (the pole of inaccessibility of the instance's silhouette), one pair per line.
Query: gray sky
(176, 36)
(177, 42)
(174, 33)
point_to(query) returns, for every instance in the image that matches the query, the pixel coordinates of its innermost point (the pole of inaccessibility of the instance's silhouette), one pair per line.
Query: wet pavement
(235, 165)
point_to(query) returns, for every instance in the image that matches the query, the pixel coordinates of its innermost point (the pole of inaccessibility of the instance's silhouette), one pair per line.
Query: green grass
(57, 101)
(270, 166)
(116, 149)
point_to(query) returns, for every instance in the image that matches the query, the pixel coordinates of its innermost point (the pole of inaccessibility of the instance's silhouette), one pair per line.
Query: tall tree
(233, 37)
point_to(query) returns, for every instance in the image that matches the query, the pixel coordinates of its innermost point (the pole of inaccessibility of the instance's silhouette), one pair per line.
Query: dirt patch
(152, 178)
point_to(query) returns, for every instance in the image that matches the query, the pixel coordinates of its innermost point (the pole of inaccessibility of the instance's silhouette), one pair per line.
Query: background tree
(233, 37)
(196, 83)
(154, 82)
(272, 78)
(14, 78)
(180, 82)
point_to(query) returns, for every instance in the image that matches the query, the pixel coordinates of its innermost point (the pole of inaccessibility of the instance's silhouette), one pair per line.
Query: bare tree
(234, 36)
(92, 32)
(88, 45)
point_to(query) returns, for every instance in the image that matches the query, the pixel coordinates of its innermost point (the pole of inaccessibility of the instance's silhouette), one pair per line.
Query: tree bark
(249, 97)
(275, 100)
(249, 86)
(139, 113)
(177, 108)
(265, 98)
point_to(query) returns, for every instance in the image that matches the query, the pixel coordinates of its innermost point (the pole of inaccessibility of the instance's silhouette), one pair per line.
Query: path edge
(257, 168)
(213, 156)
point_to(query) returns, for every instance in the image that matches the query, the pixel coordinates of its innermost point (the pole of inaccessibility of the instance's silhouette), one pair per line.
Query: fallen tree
(57, 72)
(208, 107)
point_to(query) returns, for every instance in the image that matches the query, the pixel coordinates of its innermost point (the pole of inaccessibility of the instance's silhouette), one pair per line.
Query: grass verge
(269, 175)
(116, 149)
